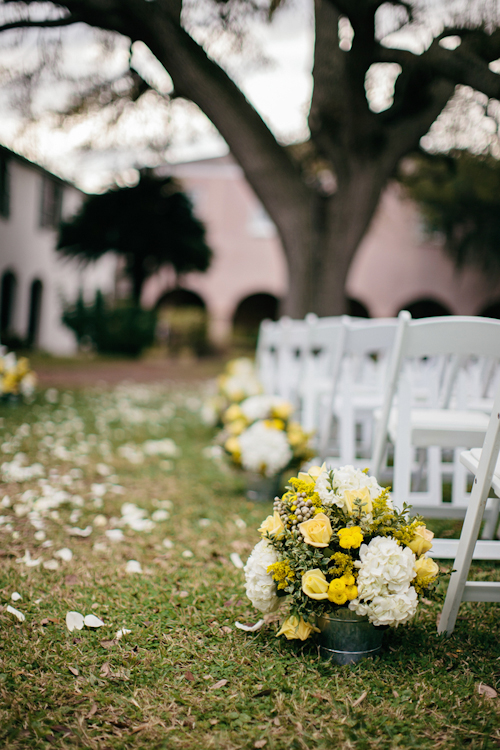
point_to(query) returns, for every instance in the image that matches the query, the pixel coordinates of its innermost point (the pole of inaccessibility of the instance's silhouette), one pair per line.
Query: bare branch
(47, 24)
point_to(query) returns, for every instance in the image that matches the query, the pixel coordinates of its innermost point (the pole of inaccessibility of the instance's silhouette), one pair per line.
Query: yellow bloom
(10, 382)
(314, 584)
(273, 525)
(232, 445)
(282, 411)
(351, 592)
(351, 537)
(312, 474)
(426, 570)
(422, 541)
(337, 591)
(274, 424)
(234, 412)
(362, 494)
(237, 427)
(317, 531)
(292, 628)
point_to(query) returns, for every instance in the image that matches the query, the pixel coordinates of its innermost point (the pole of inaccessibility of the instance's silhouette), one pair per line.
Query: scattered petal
(187, 553)
(91, 621)
(204, 522)
(16, 613)
(51, 565)
(120, 633)
(100, 520)
(40, 535)
(114, 535)
(236, 560)
(218, 685)
(250, 628)
(486, 690)
(75, 531)
(168, 543)
(15, 596)
(28, 561)
(74, 621)
(240, 523)
(64, 554)
(160, 515)
(74, 671)
(133, 566)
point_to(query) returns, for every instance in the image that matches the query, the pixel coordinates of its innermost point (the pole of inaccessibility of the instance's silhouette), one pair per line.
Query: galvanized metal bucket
(346, 637)
(262, 489)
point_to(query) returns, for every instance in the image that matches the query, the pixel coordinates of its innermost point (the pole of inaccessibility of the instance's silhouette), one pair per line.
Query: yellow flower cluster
(342, 590)
(339, 590)
(350, 537)
(281, 573)
(13, 373)
(343, 565)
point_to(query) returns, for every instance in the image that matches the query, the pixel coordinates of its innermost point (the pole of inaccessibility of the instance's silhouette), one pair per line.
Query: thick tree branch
(48, 24)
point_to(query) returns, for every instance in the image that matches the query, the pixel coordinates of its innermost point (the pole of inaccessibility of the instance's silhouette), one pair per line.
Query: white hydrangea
(260, 587)
(384, 568)
(390, 609)
(264, 449)
(260, 407)
(331, 486)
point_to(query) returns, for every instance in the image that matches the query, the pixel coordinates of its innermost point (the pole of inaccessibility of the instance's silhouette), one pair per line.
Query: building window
(51, 203)
(4, 187)
(35, 310)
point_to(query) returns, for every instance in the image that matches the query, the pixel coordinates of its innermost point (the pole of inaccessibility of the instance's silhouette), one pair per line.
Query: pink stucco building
(396, 266)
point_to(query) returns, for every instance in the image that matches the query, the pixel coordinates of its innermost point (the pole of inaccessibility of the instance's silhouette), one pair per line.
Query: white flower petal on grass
(28, 561)
(204, 522)
(103, 470)
(114, 535)
(100, 520)
(120, 633)
(16, 613)
(40, 535)
(75, 531)
(51, 565)
(166, 465)
(249, 628)
(15, 596)
(98, 490)
(240, 523)
(187, 553)
(133, 566)
(236, 560)
(160, 515)
(64, 554)
(74, 621)
(91, 621)
(168, 543)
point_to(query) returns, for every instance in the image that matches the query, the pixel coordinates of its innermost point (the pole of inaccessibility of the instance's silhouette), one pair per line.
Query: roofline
(13, 154)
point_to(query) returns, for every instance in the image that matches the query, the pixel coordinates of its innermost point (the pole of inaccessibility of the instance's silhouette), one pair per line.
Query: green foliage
(459, 194)
(124, 329)
(151, 224)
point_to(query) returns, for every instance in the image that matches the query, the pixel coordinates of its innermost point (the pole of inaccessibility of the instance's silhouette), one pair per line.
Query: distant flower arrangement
(16, 377)
(260, 436)
(238, 381)
(335, 541)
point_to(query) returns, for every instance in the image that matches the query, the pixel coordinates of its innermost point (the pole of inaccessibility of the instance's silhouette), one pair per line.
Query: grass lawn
(184, 676)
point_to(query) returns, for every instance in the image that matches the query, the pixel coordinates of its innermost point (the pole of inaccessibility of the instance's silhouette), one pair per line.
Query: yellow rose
(422, 541)
(234, 412)
(237, 427)
(274, 424)
(351, 537)
(232, 445)
(312, 474)
(337, 591)
(273, 525)
(282, 411)
(362, 494)
(426, 570)
(317, 531)
(314, 584)
(295, 628)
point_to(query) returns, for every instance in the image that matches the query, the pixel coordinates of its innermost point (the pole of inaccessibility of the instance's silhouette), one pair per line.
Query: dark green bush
(122, 329)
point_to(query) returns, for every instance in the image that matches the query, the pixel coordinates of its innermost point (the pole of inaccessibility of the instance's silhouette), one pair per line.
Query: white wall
(28, 250)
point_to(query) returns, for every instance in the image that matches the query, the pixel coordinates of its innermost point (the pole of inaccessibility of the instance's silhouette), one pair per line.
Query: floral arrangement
(335, 540)
(238, 382)
(16, 377)
(260, 436)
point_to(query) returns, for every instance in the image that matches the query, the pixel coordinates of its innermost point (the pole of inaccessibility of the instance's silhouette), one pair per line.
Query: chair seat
(446, 428)
(470, 459)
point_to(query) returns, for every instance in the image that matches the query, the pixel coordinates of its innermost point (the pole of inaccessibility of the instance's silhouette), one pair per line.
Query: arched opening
(248, 316)
(34, 313)
(491, 311)
(182, 322)
(426, 308)
(8, 290)
(357, 309)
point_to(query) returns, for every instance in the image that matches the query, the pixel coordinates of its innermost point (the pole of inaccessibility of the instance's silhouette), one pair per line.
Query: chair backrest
(266, 355)
(447, 337)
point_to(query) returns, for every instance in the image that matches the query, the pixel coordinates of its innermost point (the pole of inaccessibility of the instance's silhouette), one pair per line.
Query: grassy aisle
(184, 676)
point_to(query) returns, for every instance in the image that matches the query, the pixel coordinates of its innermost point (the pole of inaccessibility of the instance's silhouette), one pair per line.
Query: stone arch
(426, 307)
(249, 314)
(8, 292)
(183, 322)
(35, 311)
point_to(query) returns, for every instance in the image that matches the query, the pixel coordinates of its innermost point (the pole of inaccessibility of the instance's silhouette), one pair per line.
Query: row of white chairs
(402, 397)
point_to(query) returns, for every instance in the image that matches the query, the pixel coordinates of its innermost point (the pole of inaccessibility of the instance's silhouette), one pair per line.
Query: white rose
(260, 587)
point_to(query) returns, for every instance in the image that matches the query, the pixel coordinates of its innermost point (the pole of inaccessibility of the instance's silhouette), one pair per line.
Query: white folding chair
(486, 467)
(266, 355)
(409, 421)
